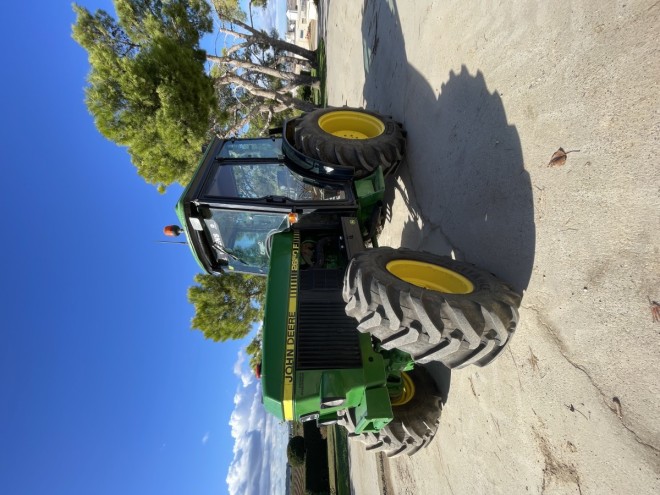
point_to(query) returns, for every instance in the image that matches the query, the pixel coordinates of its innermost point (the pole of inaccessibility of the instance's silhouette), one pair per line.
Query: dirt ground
(488, 91)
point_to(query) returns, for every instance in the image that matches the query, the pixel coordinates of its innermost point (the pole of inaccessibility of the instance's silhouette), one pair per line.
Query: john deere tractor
(346, 322)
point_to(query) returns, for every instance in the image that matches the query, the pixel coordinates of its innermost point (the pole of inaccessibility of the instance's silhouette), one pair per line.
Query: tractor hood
(279, 332)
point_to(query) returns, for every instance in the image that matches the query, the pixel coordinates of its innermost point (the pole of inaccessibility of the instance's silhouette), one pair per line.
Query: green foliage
(305, 93)
(295, 451)
(320, 96)
(258, 125)
(338, 449)
(147, 88)
(317, 478)
(229, 9)
(254, 351)
(226, 306)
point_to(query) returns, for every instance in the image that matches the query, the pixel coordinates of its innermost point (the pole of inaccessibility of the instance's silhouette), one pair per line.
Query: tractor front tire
(432, 307)
(351, 137)
(414, 425)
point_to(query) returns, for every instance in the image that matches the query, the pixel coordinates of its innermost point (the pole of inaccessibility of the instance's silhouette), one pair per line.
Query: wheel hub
(351, 125)
(430, 276)
(407, 391)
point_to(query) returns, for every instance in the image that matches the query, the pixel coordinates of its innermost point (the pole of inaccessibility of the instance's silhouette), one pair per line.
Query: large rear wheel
(415, 422)
(352, 137)
(432, 307)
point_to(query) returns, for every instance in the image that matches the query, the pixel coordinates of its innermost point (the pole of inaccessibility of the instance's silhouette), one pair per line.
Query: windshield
(265, 180)
(243, 237)
(252, 148)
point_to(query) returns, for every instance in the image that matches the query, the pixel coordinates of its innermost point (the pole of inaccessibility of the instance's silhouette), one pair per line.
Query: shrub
(295, 451)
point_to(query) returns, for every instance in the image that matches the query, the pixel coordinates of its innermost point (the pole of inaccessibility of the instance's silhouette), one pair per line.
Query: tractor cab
(245, 192)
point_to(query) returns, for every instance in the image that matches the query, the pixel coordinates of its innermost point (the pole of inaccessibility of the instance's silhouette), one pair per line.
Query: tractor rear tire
(414, 425)
(432, 307)
(351, 137)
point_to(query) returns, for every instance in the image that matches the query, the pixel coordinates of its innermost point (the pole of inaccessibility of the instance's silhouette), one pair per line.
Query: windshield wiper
(276, 199)
(226, 251)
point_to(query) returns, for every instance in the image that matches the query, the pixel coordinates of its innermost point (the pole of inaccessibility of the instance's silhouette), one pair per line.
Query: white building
(302, 21)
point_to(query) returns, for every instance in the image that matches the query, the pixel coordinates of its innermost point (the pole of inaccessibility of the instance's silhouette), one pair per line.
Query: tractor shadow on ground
(442, 376)
(463, 189)
(463, 182)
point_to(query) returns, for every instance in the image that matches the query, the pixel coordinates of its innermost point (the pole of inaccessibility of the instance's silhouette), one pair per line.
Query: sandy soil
(488, 91)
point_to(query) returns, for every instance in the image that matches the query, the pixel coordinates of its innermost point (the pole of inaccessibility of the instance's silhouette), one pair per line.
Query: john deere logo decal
(290, 348)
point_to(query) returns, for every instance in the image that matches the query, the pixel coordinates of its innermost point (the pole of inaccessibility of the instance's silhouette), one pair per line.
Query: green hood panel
(279, 332)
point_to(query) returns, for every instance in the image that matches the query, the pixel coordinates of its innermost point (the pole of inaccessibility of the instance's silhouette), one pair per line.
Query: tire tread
(455, 329)
(414, 424)
(364, 155)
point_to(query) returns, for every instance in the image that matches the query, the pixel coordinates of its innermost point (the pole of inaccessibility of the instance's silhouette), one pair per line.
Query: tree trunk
(267, 94)
(295, 87)
(269, 71)
(256, 109)
(284, 59)
(258, 35)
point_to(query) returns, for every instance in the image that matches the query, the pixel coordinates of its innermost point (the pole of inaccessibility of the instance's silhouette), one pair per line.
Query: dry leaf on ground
(559, 157)
(655, 310)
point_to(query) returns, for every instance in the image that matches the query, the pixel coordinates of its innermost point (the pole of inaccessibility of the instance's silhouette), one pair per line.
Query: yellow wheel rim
(407, 392)
(351, 125)
(430, 276)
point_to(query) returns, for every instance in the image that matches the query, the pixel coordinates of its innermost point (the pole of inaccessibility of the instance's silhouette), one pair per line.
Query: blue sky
(104, 388)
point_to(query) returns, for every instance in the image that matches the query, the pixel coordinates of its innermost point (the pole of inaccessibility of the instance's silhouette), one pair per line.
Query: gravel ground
(488, 91)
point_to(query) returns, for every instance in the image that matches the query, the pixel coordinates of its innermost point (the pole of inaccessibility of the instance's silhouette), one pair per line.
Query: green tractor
(346, 322)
